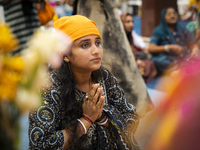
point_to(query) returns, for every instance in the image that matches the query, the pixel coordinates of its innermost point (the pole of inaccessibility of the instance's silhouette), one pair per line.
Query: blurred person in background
(189, 14)
(171, 43)
(59, 8)
(192, 10)
(194, 3)
(194, 28)
(136, 41)
(22, 18)
(139, 48)
(46, 12)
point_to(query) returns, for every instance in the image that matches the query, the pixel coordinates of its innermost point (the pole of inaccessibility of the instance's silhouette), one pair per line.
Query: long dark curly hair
(72, 109)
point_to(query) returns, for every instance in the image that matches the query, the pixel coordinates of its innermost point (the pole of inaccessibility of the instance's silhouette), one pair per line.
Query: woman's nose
(131, 24)
(95, 50)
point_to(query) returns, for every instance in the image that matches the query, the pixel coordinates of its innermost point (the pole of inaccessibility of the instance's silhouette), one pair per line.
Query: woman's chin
(96, 67)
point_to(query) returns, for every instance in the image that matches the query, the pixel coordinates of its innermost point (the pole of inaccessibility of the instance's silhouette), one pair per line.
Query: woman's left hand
(93, 104)
(194, 52)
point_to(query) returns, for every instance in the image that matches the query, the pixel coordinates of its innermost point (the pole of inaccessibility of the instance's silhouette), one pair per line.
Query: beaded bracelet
(87, 118)
(82, 125)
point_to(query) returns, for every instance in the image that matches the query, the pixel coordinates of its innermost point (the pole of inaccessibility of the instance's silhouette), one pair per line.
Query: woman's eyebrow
(98, 38)
(85, 40)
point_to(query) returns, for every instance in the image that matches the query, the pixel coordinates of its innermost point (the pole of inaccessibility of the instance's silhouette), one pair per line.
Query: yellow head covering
(76, 26)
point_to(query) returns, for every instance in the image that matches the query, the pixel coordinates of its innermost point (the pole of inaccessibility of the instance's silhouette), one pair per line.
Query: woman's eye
(98, 43)
(84, 45)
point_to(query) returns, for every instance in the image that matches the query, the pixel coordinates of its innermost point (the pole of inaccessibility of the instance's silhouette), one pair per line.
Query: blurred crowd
(172, 50)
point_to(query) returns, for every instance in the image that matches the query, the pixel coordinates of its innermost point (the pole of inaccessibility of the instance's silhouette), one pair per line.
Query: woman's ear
(65, 59)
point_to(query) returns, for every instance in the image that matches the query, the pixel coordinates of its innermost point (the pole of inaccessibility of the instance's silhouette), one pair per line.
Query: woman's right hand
(93, 105)
(176, 48)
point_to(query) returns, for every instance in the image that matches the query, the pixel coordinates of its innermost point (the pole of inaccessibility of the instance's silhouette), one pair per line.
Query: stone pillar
(151, 14)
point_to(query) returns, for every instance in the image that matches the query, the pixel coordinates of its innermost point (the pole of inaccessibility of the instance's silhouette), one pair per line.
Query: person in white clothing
(139, 42)
(138, 45)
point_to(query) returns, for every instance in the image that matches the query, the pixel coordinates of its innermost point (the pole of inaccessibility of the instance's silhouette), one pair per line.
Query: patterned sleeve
(121, 114)
(44, 123)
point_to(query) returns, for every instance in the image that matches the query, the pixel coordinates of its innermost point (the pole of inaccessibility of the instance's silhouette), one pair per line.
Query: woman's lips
(96, 59)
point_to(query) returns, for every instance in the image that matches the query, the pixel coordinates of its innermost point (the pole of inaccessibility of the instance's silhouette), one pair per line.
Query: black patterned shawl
(46, 123)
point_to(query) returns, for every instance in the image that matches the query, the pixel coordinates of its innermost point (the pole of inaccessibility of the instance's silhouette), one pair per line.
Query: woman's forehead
(129, 17)
(170, 10)
(88, 37)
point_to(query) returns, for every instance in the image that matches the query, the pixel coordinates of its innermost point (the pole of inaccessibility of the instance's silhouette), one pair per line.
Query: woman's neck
(171, 27)
(83, 81)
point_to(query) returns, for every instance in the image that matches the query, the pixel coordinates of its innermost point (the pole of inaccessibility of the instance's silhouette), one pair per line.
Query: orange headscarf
(76, 26)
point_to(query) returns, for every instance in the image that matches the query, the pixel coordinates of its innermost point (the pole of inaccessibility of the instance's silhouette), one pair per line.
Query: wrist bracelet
(166, 48)
(102, 117)
(82, 125)
(103, 122)
(88, 119)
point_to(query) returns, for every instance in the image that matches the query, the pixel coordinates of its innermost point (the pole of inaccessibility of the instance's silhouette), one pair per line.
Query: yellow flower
(7, 39)
(22, 76)
(16, 63)
(10, 75)
(8, 85)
